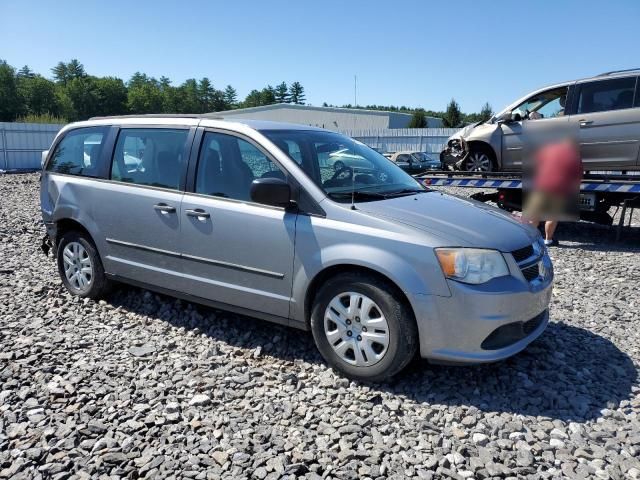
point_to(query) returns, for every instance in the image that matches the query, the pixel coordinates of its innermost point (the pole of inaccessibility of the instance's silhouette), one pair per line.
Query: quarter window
(79, 152)
(227, 165)
(606, 95)
(151, 156)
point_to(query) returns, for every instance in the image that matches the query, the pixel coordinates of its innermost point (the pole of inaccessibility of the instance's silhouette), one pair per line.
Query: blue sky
(414, 53)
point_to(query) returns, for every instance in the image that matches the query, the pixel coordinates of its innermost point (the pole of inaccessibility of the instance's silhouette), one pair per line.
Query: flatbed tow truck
(599, 192)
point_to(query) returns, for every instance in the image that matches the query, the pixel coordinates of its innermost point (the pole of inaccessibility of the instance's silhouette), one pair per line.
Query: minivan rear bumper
(482, 323)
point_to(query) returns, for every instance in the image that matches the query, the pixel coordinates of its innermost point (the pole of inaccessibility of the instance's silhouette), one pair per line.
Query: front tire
(363, 327)
(479, 160)
(80, 267)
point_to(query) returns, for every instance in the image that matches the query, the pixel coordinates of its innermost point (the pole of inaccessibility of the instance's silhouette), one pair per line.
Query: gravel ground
(144, 386)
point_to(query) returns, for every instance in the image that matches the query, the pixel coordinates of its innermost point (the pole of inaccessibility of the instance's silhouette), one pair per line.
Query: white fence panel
(21, 144)
(430, 140)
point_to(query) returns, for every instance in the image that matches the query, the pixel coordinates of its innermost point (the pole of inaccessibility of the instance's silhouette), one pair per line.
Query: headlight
(471, 265)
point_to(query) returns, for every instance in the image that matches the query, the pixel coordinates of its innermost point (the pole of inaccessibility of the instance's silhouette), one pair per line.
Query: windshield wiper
(405, 191)
(357, 194)
(364, 194)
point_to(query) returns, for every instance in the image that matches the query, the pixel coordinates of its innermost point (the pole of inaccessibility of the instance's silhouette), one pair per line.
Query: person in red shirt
(556, 186)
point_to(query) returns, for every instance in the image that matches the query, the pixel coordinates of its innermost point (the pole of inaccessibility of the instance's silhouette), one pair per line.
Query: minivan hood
(457, 221)
(463, 132)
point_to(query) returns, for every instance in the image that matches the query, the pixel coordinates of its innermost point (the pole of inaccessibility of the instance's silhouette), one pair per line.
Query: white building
(331, 118)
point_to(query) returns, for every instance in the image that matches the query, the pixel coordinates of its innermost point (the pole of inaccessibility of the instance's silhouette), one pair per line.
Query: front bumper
(483, 323)
(454, 154)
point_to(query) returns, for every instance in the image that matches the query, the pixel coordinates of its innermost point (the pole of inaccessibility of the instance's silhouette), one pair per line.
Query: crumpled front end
(455, 153)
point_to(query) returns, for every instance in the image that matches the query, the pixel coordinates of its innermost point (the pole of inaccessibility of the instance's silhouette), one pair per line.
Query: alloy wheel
(478, 162)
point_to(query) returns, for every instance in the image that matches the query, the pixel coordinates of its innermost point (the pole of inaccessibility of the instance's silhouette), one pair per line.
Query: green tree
(164, 82)
(296, 93)
(253, 99)
(11, 103)
(26, 72)
(453, 115)
(65, 105)
(144, 96)
(190, 97)
(418, 119)
(75, 69)
(39, 95)
(486, 113)
(207, 95)
(267, 96)
(282, 93)
(84, 96)
(60, 73)
(112, 95)
(230, 97)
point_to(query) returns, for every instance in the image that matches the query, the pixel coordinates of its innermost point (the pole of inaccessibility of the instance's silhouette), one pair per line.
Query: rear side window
(149, 156)
(606, 95)
(79, 152)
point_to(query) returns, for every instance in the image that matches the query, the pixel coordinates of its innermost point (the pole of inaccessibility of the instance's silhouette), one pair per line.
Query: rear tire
(363, 327)
(80, 267)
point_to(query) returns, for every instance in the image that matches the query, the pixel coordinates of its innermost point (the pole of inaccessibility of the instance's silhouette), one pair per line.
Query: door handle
(196, 212)
(584, 123)
(164, 208)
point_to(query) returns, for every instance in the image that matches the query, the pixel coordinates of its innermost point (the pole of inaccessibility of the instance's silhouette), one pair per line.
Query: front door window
(548, 104)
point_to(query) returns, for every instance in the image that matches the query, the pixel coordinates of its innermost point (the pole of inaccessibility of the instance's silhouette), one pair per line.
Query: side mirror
(43, 158)
(508, 117)
(271, 191)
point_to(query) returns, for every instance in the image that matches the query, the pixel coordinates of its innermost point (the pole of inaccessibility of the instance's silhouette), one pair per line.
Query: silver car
(603, 112)
(242, 216)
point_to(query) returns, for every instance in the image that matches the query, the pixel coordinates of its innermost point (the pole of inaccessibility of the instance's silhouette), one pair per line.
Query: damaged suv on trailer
(252, 217)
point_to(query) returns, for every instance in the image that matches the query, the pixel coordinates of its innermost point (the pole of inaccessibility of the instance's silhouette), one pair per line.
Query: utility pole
(355, 90)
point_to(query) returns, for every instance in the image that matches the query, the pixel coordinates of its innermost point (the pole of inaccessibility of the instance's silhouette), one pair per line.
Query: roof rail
(619, 71)
(154, 115)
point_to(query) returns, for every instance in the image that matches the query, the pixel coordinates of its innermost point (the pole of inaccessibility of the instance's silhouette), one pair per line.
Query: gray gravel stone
(140, 385)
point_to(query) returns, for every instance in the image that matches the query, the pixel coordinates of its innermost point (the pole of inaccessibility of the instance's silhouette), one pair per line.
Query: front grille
(528, 263)
(531, 272)
(522, 253)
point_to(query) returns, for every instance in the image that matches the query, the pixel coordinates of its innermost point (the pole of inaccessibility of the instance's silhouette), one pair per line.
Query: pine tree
(418, 119)
(282, 93)
(296, 93)
(75, 69)
(230, 97)
(253, 99)
(26, 72)
(60, 73)
(486, 113)
(453, 115)
(267, 96)
(207, 95)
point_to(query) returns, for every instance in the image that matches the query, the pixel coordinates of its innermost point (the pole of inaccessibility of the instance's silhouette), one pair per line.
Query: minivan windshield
(342, 167)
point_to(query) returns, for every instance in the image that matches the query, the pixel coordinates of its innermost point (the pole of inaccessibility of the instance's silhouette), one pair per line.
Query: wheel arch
(487, 148)
(340, 269)
(68, 224)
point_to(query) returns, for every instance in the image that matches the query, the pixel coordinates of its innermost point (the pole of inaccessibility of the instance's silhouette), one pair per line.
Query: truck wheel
(479, 160)
(80, 267)
(363, 327)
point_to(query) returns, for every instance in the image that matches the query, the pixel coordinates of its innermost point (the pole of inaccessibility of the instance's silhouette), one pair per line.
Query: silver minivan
(247, 217)
(603, 112)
